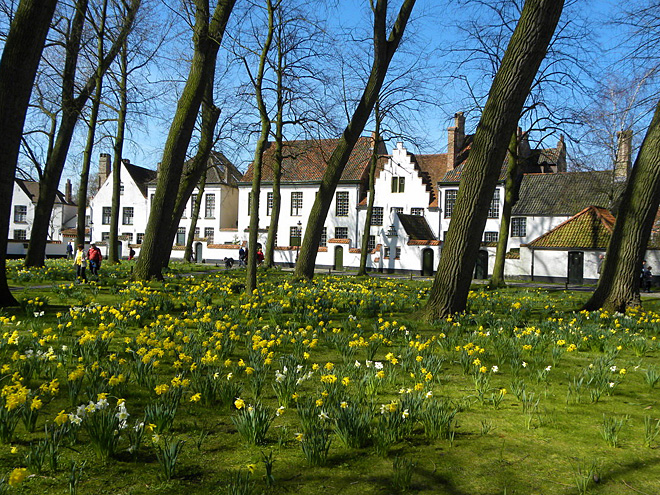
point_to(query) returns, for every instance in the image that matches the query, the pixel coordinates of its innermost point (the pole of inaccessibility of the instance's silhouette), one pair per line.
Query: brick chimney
(455, 138)
(68, 192)
(623, 155)
(561, 154)
(104, 167)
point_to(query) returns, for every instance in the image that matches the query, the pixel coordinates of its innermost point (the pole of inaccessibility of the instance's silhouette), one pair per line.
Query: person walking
(242, 256)
(69, 251)
(80, 263)
(95, 258)
(648, 278)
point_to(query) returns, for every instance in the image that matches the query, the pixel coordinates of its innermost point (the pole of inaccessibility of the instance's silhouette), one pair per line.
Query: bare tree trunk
(193, 173)
(372, 196)
(91, 133)
(384, 49)
(511, 190)
(619, 282)
(187, 255)
(269, 261)
(251, 272)
(18, 67)
(510, 88)
(71, 109)
(207, 37)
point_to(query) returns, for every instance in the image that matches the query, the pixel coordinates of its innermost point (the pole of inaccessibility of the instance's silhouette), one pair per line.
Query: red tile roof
(589, 229)
(306, 160)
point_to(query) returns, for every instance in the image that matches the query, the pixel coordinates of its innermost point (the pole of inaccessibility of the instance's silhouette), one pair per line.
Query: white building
(138, 186)
(24, 202)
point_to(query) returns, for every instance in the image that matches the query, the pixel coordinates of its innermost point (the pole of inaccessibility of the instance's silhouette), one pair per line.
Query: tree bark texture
(118, 150)
(194, 173)
(277, 160)
(511, 190)
(362, 270)
(508, 92)
(207, 37)
(251, 272)
(91, 133)
(18, 67)
(71, 108)
(187, 254)
(618, 287)
(384, 49)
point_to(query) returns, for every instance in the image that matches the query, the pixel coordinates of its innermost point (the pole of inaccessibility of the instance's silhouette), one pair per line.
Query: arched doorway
(198, 252)
(576, 267)
(427, 263)
(481, 267)
(339, 258)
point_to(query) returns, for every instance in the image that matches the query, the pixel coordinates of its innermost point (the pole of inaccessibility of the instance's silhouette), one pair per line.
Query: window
(209, 233)
(518, 227)
(377, 216)
(269, 203)
(387, 253)
(295, 235)
(342, 204)
(127, 215)
(324, 237)
(296, 204)
(140, 238)
(417, 211)
(105, 236)
(494, 210)
(450, 200)
(87, 220)
(209, 209)
(398, 184)
(398, 253)
(20, 235)
(20, 213)
(128, 236)
(371, 243)
(121, 188)
(107, 215)
(396, 209)
(490, 236)
(196, 234)
(181, 236)
(341, 232)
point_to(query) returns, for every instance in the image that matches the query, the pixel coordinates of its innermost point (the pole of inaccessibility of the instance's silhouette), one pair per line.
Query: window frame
(127, 215)
(209, 205)
(20, 216)
(519, 227)
(342, 204)
(450, 202)
(296, 203)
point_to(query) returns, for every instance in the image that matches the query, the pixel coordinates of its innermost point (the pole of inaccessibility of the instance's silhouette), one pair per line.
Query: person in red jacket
(95, 257)
(260, 256)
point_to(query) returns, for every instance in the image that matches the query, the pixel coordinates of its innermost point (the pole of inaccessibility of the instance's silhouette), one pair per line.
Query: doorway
(198, 252)
(427, 263)
(481, 267)
(339, 258)
(576, 267)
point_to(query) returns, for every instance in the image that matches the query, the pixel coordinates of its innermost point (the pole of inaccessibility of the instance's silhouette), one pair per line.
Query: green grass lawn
(354, 392)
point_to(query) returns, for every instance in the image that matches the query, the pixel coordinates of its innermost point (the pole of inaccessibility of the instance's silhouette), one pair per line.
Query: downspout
(532, 249)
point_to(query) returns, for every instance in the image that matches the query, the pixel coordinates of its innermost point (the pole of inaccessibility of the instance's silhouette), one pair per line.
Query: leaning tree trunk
(194, 216)
(207, 37)
(370, 202)
(18, 68)
(507, 95)
(511, 190)
(618, 286)
(384, 49)
(193, 173)
(71, 109)
(91, 133)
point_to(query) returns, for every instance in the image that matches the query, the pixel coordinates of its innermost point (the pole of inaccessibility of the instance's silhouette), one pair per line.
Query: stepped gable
(306, 160)
(589, 229)
(431, 169)
(416, 227)
(566, 193)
